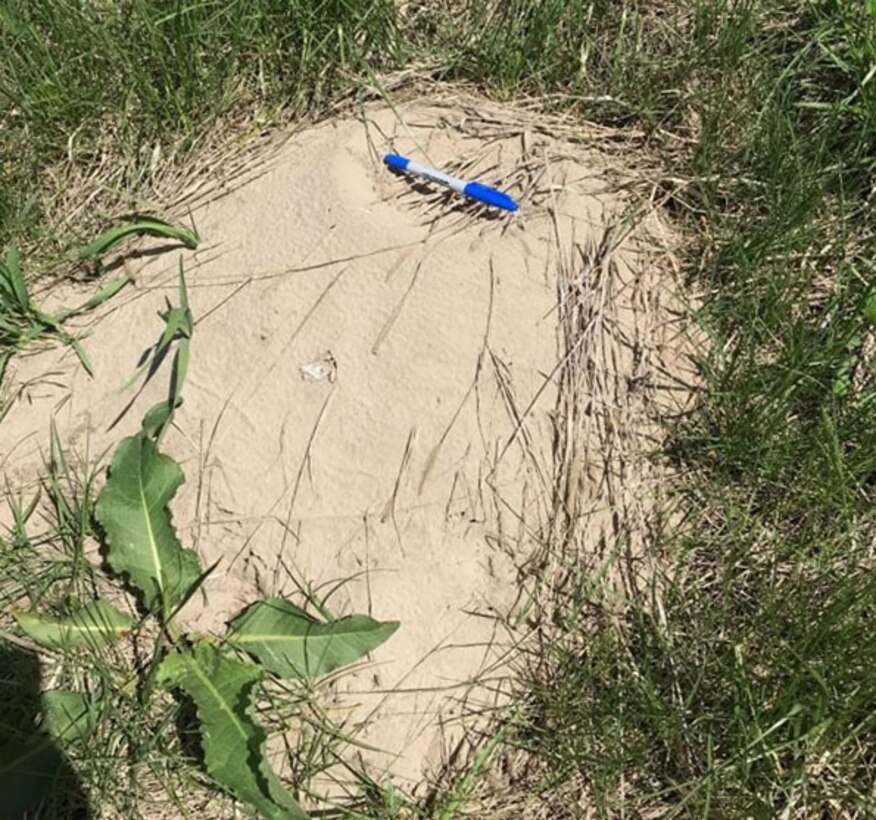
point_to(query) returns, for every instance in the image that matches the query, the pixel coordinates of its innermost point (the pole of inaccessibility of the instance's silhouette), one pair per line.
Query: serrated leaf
(142, 544)
(232, 742)
(67, 715)
(290, 643)
(142, 226)
(95, 624)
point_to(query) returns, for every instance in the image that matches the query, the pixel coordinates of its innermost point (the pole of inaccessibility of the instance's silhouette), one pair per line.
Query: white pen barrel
(457, 185)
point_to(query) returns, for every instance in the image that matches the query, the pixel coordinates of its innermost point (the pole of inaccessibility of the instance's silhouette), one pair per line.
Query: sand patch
(371, 413)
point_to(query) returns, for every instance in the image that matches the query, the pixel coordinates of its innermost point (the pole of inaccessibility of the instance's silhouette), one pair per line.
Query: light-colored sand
(370, 399)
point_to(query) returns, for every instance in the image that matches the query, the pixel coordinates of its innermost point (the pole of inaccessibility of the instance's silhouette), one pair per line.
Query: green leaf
(177, 323)
(158, 417)
(870, 309)
(142, 544)
(233, 743)
(95, 624)
(142, 226)
(103, 295)
(67, 716)
(79, 351)
(293, 645)
(33, 769)
(179, 370)
(14, 279)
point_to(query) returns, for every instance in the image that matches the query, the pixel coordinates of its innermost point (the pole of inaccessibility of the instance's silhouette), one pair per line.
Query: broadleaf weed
(271, 640)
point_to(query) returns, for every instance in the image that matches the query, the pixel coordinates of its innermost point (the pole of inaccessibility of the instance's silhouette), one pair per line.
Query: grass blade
(103, 295)
(147, 226)
(79, 351)
(15, 278)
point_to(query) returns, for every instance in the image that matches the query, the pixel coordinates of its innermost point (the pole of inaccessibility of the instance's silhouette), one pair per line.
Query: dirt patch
(374, 414)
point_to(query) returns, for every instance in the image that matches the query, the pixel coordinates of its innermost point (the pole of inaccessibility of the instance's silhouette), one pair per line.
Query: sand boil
(372, 413)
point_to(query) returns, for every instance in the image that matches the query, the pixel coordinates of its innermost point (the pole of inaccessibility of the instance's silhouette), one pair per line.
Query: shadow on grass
(36, 779)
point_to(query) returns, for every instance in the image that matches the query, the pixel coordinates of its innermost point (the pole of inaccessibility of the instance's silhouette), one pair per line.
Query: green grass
(752, 693)
(23, 323)
(78, 76)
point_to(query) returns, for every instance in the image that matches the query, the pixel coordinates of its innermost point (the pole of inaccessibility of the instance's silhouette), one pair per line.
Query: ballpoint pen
(473, 190)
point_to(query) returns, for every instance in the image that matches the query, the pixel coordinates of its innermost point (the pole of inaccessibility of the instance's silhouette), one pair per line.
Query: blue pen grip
(490, 196)
(396, 161)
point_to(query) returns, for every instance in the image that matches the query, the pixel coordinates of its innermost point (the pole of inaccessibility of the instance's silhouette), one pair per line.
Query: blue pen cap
(397, 162)
(490, 196)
